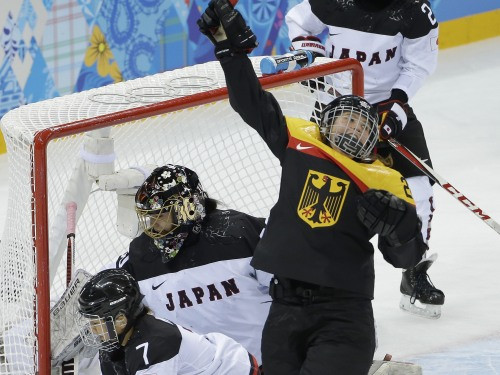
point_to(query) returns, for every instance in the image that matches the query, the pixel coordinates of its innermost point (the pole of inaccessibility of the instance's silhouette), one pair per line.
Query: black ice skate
(420, 296)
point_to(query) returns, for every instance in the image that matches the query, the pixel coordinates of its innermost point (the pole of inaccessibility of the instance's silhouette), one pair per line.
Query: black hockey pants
(313, 330)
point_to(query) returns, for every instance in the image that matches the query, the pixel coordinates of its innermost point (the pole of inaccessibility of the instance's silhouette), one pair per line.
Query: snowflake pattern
(139, 32)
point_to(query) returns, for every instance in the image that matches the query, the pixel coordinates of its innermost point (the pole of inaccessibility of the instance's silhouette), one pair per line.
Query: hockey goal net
(59, 148)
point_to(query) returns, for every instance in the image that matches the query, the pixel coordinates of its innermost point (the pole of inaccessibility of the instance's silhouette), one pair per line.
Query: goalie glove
(232, 36)
(309, 43)
(392, 114)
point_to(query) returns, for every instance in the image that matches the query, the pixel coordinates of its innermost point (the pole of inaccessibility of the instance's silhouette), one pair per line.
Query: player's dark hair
(210, 205)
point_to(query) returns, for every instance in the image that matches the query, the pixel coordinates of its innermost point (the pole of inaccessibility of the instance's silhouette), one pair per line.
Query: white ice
(459, 107)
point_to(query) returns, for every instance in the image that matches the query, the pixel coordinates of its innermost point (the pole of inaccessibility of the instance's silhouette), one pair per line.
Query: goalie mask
(110, 302)
(170, 205)
(350, 124)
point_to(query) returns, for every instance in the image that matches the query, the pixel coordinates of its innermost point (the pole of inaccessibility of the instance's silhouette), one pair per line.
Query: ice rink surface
(459, 107)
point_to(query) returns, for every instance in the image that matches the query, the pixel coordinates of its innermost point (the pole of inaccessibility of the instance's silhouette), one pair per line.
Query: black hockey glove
(392, 114)
(391, 217)
(380, 211)
(233, 36)
(209, 24)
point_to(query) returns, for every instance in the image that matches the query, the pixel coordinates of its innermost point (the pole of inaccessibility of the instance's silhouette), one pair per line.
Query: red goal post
(46, 140)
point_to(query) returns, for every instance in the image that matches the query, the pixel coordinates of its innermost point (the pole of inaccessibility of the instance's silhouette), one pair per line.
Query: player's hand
(380, 211)
(392, 118)
(209, 25)
(242, 38)
(233, 35)
(309, 43)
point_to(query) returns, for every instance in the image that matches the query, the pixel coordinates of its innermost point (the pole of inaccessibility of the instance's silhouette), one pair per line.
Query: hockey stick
(420, 164)
(70, 367)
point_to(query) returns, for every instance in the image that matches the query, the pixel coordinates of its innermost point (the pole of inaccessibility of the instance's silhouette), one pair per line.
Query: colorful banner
(50, 48)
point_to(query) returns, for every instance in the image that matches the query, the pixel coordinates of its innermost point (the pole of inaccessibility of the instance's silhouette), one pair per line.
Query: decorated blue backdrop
(55, 47)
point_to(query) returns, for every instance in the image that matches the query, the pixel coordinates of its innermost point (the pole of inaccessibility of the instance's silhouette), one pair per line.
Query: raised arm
(233, 39)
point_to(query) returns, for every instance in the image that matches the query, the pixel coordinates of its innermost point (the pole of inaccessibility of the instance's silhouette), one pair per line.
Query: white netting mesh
(232, 161)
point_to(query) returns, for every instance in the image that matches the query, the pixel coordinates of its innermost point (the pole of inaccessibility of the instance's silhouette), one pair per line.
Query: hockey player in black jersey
(396, 43)
(113, 319)
(317, 238)
(192, 261)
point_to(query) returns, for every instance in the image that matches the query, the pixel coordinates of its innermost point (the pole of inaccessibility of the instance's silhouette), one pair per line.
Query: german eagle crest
(322, 199)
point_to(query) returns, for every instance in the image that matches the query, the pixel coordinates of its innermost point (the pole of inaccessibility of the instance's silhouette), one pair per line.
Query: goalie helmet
(350, 124)
(107, 298)
(170, 205)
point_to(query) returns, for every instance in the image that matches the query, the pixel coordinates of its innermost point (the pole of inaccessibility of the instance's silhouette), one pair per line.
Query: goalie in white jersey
(192, 262)
(113, 318)
(396, 43)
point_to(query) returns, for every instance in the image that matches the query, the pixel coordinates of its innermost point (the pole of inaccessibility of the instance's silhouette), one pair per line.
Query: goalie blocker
(65, 338)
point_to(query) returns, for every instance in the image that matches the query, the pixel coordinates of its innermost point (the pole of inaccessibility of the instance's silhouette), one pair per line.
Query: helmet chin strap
(122, 336)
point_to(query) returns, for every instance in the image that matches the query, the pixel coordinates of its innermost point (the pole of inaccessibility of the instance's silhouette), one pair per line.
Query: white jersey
(209, 286)
(159, 346)
(396, 46)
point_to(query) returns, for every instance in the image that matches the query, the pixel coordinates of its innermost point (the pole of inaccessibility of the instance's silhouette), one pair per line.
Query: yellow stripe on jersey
(367, 176)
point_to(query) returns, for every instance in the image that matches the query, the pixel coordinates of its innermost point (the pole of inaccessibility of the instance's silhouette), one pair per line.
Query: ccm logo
(466, 202)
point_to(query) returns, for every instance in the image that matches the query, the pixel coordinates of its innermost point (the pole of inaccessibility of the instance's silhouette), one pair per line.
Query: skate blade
(420, 309)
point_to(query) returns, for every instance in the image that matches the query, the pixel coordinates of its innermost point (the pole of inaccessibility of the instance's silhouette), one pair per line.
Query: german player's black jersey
(313, 233)
(210, 285)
